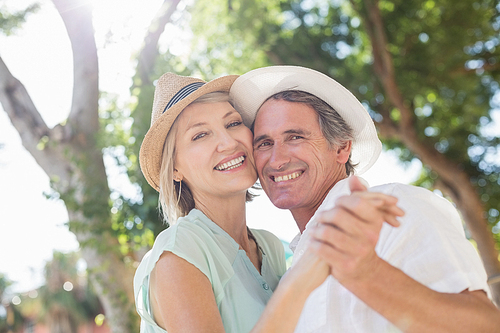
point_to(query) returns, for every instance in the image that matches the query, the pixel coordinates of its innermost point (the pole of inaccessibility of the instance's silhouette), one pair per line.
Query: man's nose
(279, 157)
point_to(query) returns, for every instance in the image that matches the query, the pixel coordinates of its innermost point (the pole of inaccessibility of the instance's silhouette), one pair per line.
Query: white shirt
(429, 246)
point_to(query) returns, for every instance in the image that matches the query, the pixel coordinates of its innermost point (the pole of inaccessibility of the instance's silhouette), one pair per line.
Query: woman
(208, 272)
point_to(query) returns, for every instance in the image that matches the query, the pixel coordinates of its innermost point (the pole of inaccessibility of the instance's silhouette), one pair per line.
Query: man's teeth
(287, 177)
(231, 164)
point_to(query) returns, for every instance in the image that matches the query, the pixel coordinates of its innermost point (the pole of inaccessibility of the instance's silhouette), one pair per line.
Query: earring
(180, 191)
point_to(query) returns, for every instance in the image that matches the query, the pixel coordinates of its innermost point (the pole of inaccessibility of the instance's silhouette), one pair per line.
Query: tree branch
(77, 17)
(29, 124)
(149, 52)
(20, 108)
(456, 180)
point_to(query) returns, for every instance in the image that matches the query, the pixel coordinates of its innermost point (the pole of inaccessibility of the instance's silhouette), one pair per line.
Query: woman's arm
(283, 310)
(183, 301)
(182, 297)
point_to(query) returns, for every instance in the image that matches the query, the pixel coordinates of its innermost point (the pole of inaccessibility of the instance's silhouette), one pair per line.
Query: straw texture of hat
(172, 94)
(250, 90)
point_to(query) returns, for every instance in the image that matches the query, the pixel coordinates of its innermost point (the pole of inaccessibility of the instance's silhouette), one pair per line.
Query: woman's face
(214, 151)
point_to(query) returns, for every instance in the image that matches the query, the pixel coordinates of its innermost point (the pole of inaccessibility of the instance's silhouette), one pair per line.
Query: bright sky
(31, 226)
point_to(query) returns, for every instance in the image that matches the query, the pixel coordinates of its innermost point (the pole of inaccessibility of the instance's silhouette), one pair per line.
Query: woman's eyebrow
(229, 113)
(195, 125)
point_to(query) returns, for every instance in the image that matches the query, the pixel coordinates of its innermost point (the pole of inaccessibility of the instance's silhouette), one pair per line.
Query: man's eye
(234, 124)
(296, 137)
(199, 136)
(262, 145)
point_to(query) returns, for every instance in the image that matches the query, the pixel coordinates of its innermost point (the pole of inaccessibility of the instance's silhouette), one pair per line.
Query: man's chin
(282, 203)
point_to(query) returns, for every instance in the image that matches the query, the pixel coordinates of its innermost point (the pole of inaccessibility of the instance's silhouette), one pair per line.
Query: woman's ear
(177, 176)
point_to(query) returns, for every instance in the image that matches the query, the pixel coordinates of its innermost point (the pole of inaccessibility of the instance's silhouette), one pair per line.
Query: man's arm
(414, 307)
(350, 231)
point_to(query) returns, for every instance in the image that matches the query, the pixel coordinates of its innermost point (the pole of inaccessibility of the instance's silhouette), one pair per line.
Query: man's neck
(303, 215)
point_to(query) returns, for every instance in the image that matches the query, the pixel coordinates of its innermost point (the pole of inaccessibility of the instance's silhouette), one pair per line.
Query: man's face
(295, 163)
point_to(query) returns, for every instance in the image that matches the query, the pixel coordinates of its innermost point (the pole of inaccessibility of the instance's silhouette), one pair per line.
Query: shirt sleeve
(430, 245)
(193, 243)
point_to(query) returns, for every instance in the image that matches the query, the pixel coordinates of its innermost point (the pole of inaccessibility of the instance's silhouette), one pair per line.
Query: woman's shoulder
(268, 241)
(177, 238)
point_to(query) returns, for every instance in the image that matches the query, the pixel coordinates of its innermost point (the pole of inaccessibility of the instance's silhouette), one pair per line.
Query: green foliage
(221, 43)
(78, 299)
(11, 22)
(66, 294)
(9, 314)
(445, 54)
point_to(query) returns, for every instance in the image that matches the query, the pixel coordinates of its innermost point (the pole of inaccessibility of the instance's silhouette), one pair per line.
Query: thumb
(355, 185)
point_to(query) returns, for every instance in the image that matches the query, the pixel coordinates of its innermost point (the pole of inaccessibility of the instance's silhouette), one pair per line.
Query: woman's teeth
(231, 164)
(287, 177)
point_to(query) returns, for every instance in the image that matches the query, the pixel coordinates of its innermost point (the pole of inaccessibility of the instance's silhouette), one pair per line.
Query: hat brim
(151, 152)
(252, 89)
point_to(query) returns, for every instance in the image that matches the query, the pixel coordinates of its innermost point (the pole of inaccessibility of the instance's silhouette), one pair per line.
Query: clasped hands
(345, 236)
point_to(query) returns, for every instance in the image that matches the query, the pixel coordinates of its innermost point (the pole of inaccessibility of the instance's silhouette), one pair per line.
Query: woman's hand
(308, 273)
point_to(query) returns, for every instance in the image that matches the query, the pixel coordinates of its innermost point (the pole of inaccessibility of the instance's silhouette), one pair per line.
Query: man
(417, 272)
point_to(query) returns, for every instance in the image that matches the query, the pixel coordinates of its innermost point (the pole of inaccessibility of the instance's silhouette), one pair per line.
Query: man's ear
(177, 176)
(343, 153)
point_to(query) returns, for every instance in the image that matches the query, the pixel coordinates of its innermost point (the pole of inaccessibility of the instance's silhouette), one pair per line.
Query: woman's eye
(234, 123)
(199, 136)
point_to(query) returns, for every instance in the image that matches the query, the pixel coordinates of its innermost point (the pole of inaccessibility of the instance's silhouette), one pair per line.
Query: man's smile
(283, 178)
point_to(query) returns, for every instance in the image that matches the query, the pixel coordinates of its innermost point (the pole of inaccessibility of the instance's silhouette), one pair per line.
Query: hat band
(183, 93)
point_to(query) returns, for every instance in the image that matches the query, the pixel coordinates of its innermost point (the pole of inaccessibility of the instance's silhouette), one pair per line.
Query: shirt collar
(339, 189)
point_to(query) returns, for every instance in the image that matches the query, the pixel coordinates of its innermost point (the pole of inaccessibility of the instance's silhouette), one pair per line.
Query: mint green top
(240, 291)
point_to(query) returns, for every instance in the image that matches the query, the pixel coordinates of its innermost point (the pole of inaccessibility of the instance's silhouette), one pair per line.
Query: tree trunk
(453, 180)
(71, 157)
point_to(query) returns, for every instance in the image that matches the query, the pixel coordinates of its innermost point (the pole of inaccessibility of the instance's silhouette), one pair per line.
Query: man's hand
(345, 236)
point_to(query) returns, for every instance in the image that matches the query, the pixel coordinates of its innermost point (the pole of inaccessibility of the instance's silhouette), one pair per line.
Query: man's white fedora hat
(252, 89)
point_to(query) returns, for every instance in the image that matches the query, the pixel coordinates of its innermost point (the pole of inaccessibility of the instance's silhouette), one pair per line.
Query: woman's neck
(228, 213)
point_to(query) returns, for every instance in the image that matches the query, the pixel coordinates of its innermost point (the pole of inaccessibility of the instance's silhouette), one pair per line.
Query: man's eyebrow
(297, 131)
(260, 138)
(300, 132)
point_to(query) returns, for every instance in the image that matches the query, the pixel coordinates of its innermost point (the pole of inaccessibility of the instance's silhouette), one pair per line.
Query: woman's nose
(226, 142)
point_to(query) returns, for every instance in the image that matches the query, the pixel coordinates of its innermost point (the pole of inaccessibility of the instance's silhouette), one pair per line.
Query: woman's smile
(230, 165)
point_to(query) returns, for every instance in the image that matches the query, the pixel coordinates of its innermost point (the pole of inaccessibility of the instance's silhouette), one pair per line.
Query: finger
(367, 206)
(331, 236)
(355, 185)
(325, 252)
(340, 219)
(354, 225)
(368, 210)
(393, 210)
(392, 220)
(352, 246)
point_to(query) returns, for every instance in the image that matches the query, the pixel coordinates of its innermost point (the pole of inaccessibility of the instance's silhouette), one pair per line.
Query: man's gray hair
(335, 130)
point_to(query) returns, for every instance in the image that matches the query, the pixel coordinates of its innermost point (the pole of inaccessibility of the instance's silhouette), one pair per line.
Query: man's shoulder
(413, 195)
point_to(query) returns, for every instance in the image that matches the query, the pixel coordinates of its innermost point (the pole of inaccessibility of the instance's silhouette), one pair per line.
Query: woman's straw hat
(172, 94)
(250, 90)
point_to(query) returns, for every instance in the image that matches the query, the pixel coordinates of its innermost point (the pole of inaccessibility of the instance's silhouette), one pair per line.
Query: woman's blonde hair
(175, 198)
